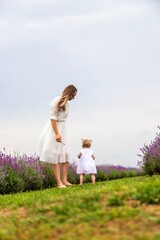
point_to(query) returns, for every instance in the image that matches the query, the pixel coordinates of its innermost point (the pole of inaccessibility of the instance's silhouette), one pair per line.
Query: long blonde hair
(67, 92)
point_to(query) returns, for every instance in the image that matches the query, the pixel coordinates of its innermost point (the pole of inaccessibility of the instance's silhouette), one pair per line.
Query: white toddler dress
(48, 149)
(86, 164)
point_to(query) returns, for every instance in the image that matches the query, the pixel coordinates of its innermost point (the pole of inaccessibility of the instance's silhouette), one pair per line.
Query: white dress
(86, 164)
(48, 149)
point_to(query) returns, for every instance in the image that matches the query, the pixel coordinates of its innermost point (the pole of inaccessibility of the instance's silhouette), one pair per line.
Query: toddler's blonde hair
(86, 143)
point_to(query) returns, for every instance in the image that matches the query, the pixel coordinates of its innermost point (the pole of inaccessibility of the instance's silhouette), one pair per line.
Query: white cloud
(22, 29)
(124, 12)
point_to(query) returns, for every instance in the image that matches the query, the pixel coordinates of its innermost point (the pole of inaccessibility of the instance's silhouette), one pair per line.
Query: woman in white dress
(86, 163)
(53, 143)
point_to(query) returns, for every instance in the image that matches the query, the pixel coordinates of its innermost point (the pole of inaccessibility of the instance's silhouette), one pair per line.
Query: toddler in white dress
(86, 163)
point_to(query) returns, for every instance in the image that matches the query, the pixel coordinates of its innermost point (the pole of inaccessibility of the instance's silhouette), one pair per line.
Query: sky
(108, 49)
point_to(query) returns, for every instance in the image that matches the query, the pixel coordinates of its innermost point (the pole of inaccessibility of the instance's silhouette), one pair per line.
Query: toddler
(86, 163)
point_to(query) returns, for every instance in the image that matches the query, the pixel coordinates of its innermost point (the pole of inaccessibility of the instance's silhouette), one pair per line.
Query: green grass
(119, 209)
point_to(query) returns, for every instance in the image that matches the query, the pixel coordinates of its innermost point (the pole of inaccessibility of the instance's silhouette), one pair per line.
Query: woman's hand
(58, 137)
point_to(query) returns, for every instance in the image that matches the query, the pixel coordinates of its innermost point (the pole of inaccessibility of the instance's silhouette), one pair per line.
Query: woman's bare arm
(55, 129)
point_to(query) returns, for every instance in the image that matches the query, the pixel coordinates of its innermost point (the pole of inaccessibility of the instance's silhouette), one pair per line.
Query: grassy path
(119, 209)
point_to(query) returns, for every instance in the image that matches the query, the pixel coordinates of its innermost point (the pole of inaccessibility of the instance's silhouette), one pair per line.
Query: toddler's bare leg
(81, 179)
(93, 178)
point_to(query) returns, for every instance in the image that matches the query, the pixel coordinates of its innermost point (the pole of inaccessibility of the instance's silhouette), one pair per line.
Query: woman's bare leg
(93, 178)
(64, 174)
(81, 179)
(56, 171)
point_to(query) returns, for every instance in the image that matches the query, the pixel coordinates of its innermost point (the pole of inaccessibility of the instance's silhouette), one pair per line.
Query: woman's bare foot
(61, 186)
(67, 184)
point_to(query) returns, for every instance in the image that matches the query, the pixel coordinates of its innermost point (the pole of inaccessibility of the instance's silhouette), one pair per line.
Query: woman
(53, 143)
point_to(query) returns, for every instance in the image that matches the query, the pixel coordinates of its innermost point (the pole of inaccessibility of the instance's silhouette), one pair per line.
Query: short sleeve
(92, 152)
(53, 108)
(82, 151)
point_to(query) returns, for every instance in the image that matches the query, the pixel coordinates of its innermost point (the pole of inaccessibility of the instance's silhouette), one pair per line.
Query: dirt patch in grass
(142, 224)
(7, 212)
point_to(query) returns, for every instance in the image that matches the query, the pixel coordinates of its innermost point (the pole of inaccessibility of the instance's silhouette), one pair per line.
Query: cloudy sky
(109, 49)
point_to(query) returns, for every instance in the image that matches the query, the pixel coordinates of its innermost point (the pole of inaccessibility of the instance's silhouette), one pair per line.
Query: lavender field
(20, 173)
